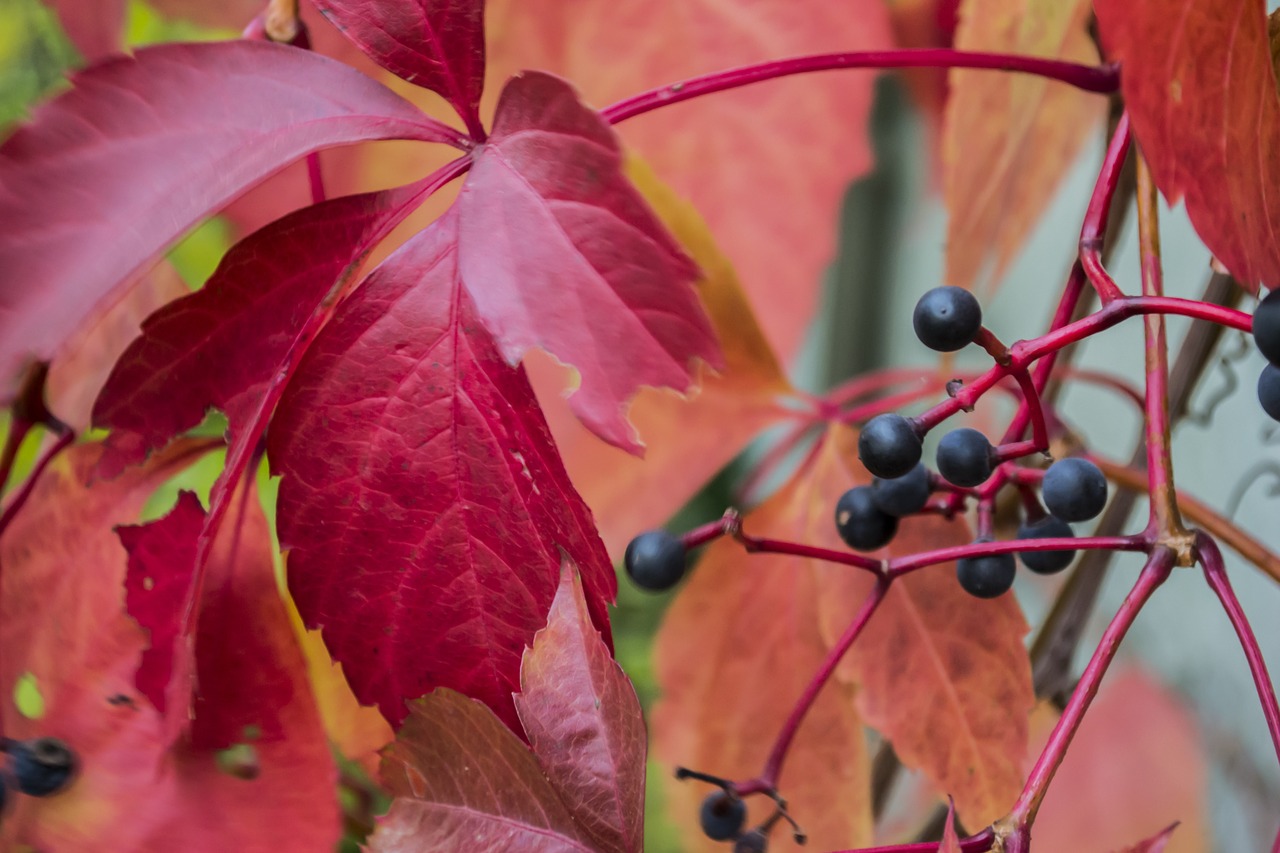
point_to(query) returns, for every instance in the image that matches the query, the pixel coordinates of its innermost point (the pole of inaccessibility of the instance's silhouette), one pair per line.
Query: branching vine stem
(1090, 78)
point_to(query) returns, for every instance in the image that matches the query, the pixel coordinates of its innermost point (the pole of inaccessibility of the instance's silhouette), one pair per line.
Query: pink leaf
(404, 426)
(95, 27)
(220, 346)
(116, 169)
(559, 251)
(438, 45)
(161, 555)
(583, 721)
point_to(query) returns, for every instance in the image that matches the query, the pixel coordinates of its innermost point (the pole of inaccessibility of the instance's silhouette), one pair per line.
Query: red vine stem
(1096, 215)
(781, 745)
(976, 843)
(899, 566)
(1103, 79)
(1016, 826)
(1215, 572)
(1164, 503)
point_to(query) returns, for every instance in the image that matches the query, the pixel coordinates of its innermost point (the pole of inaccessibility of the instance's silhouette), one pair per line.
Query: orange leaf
(1009, 138)
(1201, 91)
(736, 650)
(1136, 765)
(687, 440)
(63, 623)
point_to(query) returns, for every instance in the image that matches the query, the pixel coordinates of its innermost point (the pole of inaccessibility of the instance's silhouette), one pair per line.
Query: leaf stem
(781, 745)
(1164, 503)
(20, 496)
(1091, 78)
(1099, 210)
(1156, 571)
(1215, 572)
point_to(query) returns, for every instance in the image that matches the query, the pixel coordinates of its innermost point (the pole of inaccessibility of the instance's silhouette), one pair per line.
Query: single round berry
(902, 495)
(1074, 489)
(1266, 326)
(1046, 562)
(1269, 391)
(947, 319)
(964, 457)
(42, 766)
(860, 523)
(889, 446)
(987, 576)
(754, 841)
(655, 560)
(722, 815)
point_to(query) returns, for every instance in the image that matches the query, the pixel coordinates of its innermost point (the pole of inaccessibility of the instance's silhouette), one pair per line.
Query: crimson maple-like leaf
(161, 559)
(458, 774)
(559, 251)
(113, 171)
(405, 426)
(433, 44)
(1201, 91)
(221, 346)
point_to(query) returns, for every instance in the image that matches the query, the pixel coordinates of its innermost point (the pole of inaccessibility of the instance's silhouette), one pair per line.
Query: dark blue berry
(902, 495)
(860, 523)
(964, 457)
(1269, 391)
(1266, 326)
(722, 815)
(42, 766)
(947, 319)
(754, 841)
(1046, 562)
(889, 446)
(655, 560)
(987, 576)
(1074, 489)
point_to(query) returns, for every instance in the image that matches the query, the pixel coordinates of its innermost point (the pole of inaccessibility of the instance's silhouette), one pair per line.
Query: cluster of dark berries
(1266, 334)
(655, 560)
(37, 768)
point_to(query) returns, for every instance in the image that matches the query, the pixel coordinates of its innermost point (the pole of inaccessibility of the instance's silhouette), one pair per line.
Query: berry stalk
(1099, 210)
(1102, 79)
(899, 566)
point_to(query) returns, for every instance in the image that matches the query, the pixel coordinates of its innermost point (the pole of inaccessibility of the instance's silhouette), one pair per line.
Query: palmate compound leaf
(433, 44)
(1200, 88)
(1010, 138)
(404, 422)
(560, 252)
(463, 781)
(117, 168)
(63, 622)
(945, 678)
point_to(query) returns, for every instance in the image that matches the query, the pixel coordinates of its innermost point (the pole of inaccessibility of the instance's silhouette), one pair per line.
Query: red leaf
(404, 422)
(438, 45)
(119, 167)
(583, 721)
(62, 620)
(802, 139)
(462, 780)
(1201, 92)
(221, 346)
(161, 559)
(559, 251)
(458, 774)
